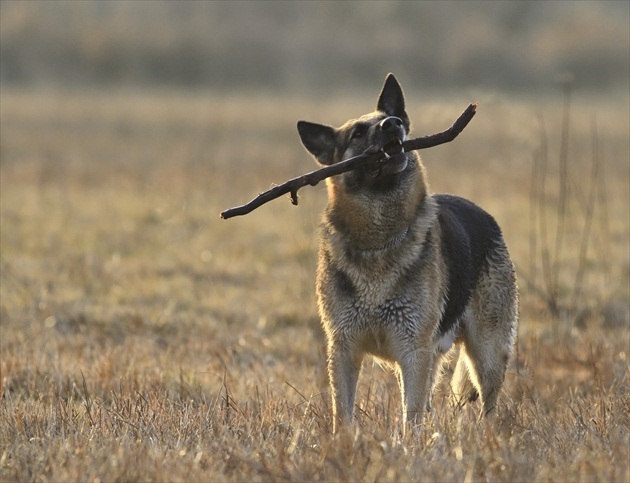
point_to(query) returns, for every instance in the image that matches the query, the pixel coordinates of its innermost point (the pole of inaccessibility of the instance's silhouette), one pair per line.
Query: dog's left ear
(392, 100)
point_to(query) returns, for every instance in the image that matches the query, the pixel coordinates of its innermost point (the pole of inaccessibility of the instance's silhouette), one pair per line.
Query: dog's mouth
(393, 148)
(394, 160)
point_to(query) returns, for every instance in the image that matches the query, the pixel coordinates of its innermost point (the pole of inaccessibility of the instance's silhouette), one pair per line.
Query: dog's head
(384, 129)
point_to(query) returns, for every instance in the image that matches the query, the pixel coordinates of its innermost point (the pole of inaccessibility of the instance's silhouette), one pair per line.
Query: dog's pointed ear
(392, 100)
(319, 140)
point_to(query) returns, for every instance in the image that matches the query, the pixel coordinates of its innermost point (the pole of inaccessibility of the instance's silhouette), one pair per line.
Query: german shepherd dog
(404, 274)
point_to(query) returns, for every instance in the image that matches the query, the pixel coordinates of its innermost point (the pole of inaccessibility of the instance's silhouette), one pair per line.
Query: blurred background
(128, 126)
(316, 47)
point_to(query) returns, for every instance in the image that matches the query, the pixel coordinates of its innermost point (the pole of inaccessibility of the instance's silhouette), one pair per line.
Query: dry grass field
(145, 339)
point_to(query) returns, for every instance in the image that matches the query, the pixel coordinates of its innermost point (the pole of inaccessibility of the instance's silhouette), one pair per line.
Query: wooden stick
(314, 177)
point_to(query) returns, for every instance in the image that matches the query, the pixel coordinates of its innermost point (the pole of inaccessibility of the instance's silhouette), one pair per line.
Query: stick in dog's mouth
(313, 178)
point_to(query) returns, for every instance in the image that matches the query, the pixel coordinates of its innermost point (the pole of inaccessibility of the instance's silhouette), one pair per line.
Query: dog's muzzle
(395, 157)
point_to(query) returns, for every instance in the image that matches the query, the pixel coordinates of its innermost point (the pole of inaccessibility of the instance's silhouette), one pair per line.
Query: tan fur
(383, 279)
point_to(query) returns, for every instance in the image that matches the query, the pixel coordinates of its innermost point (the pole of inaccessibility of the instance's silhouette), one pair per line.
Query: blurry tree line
(314, 45)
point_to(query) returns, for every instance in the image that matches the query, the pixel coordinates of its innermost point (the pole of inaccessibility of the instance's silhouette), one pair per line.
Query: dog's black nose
(390, 123)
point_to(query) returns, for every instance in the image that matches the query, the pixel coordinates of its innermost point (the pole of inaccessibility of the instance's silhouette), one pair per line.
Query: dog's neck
(393, 242)
(372, 227)
(373, 222)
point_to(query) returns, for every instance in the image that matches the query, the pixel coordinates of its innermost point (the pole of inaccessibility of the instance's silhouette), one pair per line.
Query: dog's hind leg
(486, 366)
(481, 367)
(489, 331)
(461, 383)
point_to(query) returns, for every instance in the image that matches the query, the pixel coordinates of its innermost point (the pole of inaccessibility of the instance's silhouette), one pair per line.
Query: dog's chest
(375, 290)
(381, 329)
(377, 310)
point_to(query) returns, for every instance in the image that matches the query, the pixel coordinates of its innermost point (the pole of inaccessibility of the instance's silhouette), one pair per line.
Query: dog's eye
(359, 132)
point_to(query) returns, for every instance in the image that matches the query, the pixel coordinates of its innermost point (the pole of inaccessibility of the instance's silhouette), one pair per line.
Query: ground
(143, 338)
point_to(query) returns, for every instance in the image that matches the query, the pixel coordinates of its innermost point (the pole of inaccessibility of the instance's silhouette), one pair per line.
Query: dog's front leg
(344, 366)
(415, 371)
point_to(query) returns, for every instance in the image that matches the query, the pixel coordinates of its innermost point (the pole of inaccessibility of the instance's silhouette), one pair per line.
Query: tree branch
(314, 177)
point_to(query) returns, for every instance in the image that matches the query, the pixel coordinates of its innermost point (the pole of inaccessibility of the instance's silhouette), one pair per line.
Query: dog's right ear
(319, 140)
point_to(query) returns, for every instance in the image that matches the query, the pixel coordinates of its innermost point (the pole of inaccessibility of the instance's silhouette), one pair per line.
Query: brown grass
(145, 339)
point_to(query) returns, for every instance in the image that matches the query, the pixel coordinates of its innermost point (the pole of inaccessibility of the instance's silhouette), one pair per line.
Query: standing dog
(403, 274)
